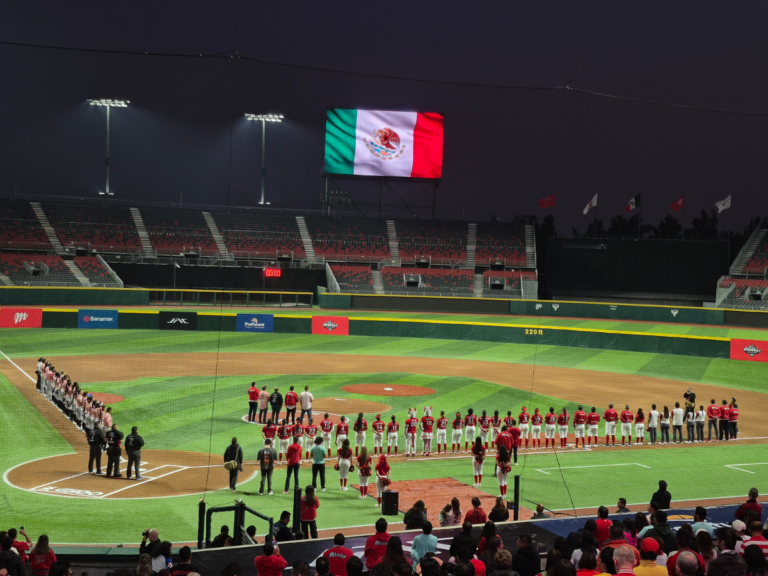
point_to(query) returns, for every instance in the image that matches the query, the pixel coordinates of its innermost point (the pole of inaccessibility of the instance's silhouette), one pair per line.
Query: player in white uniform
(593, 419)
(536, 429)
(456, 431)
(441, 425)
(392, 433)
(378, 435)
(653, 423)
(470, 423)
(550, 420)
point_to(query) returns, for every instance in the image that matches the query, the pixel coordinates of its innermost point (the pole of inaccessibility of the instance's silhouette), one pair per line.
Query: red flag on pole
(547, 201)
(677, 204)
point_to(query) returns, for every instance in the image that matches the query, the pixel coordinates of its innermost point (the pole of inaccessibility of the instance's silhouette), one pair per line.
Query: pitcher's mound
(388, 390)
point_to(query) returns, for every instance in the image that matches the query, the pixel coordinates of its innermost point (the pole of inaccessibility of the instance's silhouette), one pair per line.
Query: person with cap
(114, 451)
(133, 445)
(96, 443)
(649, 550)
(276, 402)
(741, 535)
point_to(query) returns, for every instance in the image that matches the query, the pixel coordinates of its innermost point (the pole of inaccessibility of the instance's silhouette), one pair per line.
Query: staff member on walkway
(293, 457)
(133, 445)
(114, 438)
(234, 453)
(96, 443)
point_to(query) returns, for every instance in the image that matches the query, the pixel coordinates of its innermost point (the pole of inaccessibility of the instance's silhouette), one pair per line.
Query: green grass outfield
(170, 412)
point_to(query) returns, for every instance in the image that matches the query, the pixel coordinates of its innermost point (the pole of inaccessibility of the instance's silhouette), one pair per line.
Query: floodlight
(108, 103)
(264, 118)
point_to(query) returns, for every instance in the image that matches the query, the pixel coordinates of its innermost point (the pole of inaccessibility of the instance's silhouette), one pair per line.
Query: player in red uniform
(495, 427)
(626, 424)
(536, 421)
(610, 416)
(457, 426)
(297, 431)
(478, 455)
(427, 426)
(310, 432)
(508, 419)
(524, 418)
(514, 433)
(342, 431)
(269, 431)
(411, 425)
(713, 413)
(284, 434)
(326, 429)
(579, 421)
(441, 424)
(470, 423)
(549, 427)
(485, 426)
(392, 434)
(593, 419)
(360, 426)
(378, 426)
(562, 421)
(733, 421)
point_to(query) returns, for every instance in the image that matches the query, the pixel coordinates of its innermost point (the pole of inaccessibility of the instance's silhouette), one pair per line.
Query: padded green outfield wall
(22, 295)
(599, 311)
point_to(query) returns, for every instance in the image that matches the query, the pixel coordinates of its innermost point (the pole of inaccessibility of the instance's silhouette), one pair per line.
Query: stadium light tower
(108, 103)
(264, 118)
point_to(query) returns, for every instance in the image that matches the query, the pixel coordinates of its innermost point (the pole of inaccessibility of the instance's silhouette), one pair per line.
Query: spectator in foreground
(649, 550)
(42, 557)
(574, 538)
(662, 495)
(185, 566)
(586, 547)
(464, 538)
(270, 563)
(145, 565)
(415, 517)
(605, 563)
(751, 506)
(704, 545)
(757, 565)
(539, 513)
(563, 568)
(687, 565)
(624, 559)
(218, 542)
(630, 534)
(700, 523)
(488, 558)
(728, 562)
(489, 531)
(281, 529)
(587, 565)
(354, 567)
(10, 558)
(622, 506)
(683, 540)
(376, 545)
(463, 556)
(553, 557)
(500, 512)
(429, 566)
(503, 561)
(756, 539)
(338, 556)
(64, 568)
(21, 547)
(662, 531)
(161, 556)
(603, 525)
(394, 553)
(423, 543)
(526, 561)
(617, 540)
(322, 567)
(477, 514)
(464, 569)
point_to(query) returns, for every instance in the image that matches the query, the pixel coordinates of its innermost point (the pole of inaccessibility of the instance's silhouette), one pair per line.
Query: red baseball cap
(649, 545)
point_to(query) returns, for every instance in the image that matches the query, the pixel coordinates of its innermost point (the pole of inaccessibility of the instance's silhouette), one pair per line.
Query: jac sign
(177, 320)
(21, 318)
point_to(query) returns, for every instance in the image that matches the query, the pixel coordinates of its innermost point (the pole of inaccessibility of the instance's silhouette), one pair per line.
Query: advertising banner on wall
(333, 325)
(21, 318)
(752, 350)
(97, 319)
(177, 320)
(255, 323)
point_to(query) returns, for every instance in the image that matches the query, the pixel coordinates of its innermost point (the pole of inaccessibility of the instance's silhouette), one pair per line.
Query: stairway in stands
(4, 280)
(378, 283)
(306, 239)
(77, 273)
(530, 246)
(746, 253)
(478, 285)
(47, 228)
(217, 237)
(471, 245)
(394, 250)
(142, 232)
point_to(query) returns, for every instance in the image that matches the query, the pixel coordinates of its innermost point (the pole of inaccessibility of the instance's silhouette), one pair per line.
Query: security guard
(96, 442)
(114, 437)
(133, 446)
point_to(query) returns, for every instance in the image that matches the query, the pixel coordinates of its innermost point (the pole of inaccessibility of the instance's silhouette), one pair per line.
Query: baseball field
(187, 393)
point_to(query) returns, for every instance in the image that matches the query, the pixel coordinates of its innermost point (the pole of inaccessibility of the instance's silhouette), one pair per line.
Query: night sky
(497, 70)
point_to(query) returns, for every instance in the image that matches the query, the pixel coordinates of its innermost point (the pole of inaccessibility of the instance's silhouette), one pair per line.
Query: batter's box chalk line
(543, 470)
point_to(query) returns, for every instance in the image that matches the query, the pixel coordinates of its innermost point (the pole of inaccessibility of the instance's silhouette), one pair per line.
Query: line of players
(526, 428)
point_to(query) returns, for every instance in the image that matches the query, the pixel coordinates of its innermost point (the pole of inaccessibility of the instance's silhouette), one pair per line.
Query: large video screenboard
(384, 143)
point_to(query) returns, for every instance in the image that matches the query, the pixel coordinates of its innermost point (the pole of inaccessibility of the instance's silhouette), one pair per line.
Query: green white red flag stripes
(632, 204)
(384, 143)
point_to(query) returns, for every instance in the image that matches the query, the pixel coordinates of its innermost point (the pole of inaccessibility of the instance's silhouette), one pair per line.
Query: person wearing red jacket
(733, 421)
(382, 478)
(291, 400)
(722, 420)
(309, 506)
(376, 545)
(41, 557)
(360, 427)
(626, 418)
(338, 556)
(270, 563)
(293, 458)
(713, 413)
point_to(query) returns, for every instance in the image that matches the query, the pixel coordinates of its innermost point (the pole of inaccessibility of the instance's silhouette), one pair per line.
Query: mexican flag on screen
(382, 143)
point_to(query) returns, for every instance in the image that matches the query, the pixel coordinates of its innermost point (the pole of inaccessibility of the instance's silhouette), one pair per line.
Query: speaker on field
(390, 500)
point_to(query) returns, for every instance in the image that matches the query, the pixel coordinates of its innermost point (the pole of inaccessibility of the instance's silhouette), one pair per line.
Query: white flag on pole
(592, 204)
(723, 204)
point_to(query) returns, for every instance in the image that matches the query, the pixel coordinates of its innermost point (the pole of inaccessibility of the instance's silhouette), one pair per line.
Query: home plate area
(165, 473)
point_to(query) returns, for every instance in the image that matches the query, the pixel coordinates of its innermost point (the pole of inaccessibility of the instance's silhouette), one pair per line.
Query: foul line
(736, 466)
(591, 466)
(59, 480)
(180, 469)
(18, 367)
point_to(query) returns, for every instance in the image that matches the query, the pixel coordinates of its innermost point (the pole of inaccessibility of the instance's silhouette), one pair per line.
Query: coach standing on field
(114, 437)
(306, 400)
(234, 453)
(133, 445)
(96, 442)
(276, 401)
(253, 402)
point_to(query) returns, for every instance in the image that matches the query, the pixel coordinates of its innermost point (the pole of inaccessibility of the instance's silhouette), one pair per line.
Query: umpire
(276, 401)
(114, 437)
(133, 445)
(96, 443)
(234, 452)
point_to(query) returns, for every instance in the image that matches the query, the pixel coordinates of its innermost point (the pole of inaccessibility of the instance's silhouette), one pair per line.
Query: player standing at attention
(626, 418)
(593, 419)
(342, 431)
(343, 463)
(427, 425)
(722, 418)
(457, 426)
(478, 455)
(713, 413)
(733, 421)
(360, 426)
(639, 427)
(364, 471)
(610, 416)
(524, 419)
(411, 424)
(310, 433)
(470, 421)
(653, 423)
(378, 427)
(253, 402)
(442, 432)
(579, 422)
(382, 478)
(495, 428)
(514, 433)
(297, 431)
(284, 433)
(392, 434)
(701, 417)
(502, 469)
(536, 421)
(485, 426)
(505, 437)
(291, 400)
(549, 427)
(326, 429)
(562, 422)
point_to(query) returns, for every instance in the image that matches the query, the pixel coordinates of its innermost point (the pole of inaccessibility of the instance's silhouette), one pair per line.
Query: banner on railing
(255, 323)
(21, 318)
(333, 325)
(97, 319)
(752, 350)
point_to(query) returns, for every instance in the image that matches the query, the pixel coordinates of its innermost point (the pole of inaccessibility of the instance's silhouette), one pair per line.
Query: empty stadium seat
(95, 271)
(432, 280)
(174, 230)
(19, 226)
(349, 238)
(101, 227)
(353, 278)
(500, 242)
(260, 234)
(12, 265)
(438, 241)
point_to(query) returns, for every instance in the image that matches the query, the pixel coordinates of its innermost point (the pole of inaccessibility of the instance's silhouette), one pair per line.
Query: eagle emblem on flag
(385, 143)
